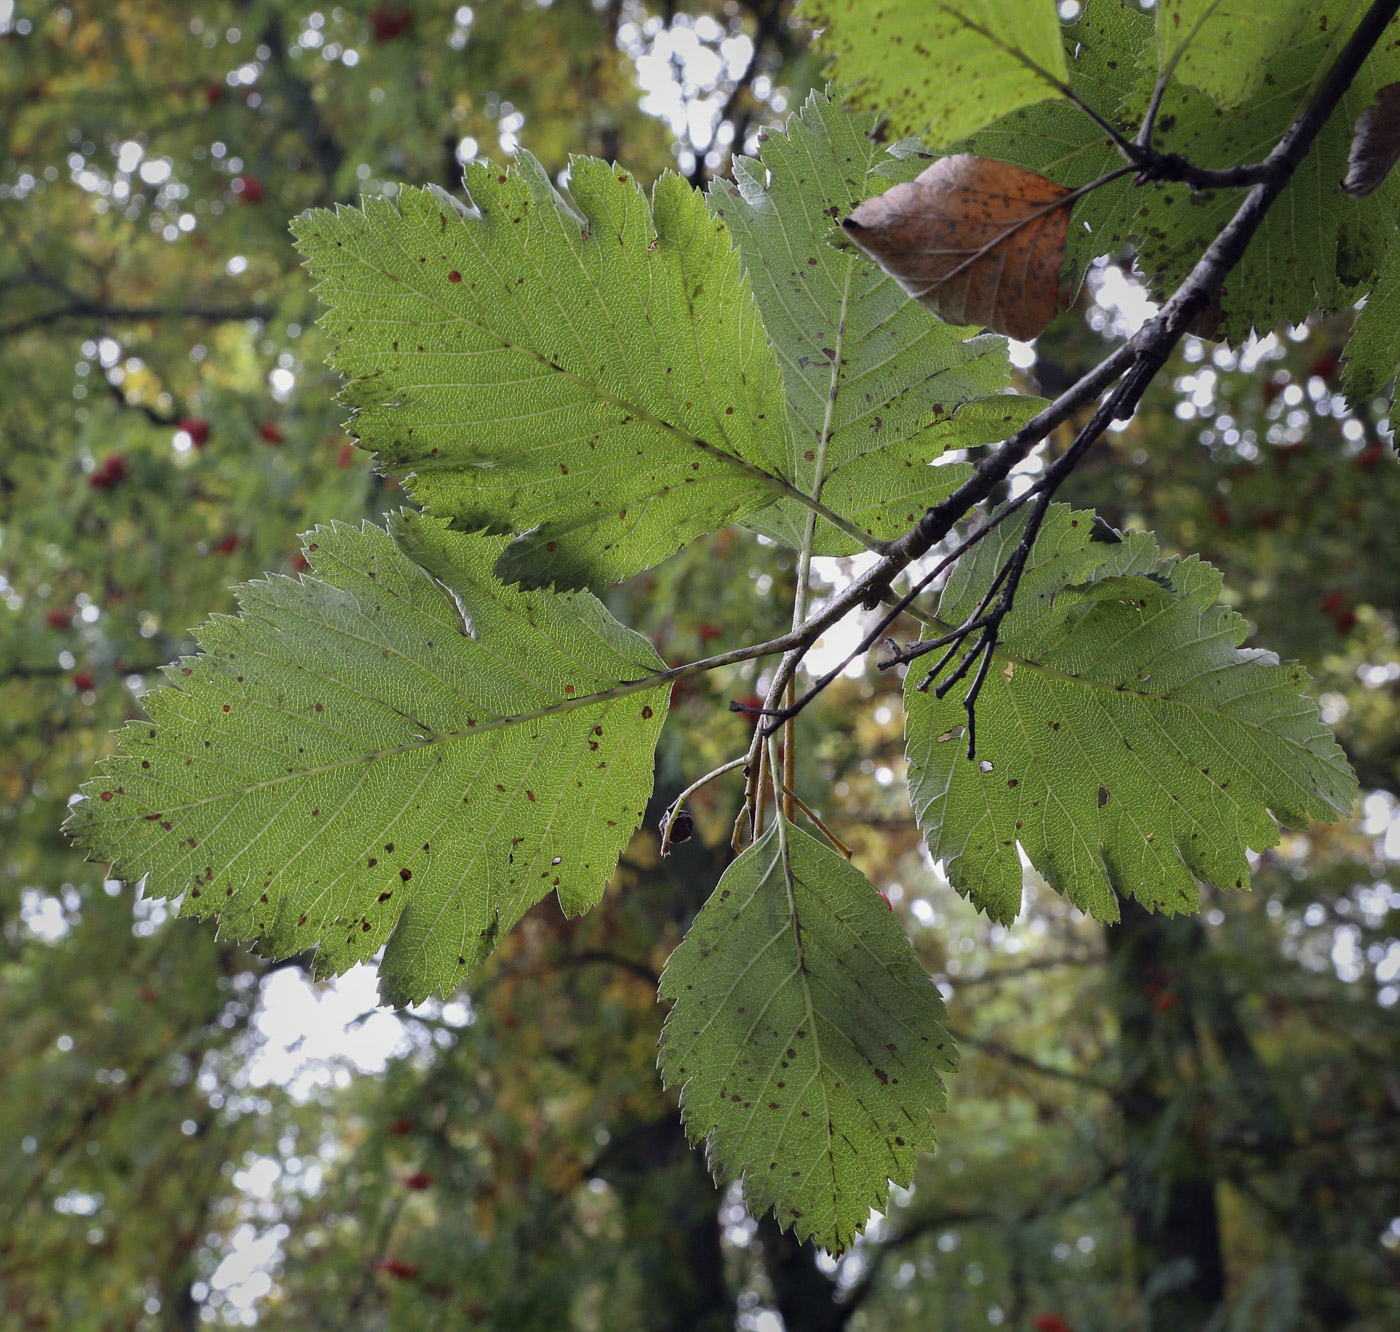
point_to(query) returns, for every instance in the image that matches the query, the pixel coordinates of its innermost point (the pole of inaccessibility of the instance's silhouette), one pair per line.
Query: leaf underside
(387, 751)
(596, 382)
(871, 380)
(806, 1037)
(1125, 742)
(1373, 352)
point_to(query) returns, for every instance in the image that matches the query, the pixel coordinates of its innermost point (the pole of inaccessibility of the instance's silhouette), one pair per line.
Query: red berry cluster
(249, 189)
(387, 22)
(111, 471)
(196, 427)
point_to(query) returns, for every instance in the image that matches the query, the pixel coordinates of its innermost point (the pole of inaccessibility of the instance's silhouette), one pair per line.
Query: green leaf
(1109, 53)
(397, 750)
(806, 1037)
(1224, 47)
(864, 368)
(1125, 742)
(597, 382)
(1373, 350)
(1318, 248)
(933, 74)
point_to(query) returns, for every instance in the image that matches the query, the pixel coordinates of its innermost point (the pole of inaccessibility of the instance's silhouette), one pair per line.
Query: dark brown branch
(1161, 334)
(1002, 974)
(1134, 383)
(1150, 164)
(81, 308)
(1172, 166)
(1019, 1060)
(152, 414)
(604, 958)
(49, 670)
(900, 606)
(588, 957)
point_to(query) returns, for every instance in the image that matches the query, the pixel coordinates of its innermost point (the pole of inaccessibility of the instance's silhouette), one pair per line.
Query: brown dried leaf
(975, 240)
(1375, 147)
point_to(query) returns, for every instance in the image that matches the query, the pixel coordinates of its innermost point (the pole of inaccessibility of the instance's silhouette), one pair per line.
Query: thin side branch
(927, 1222)
(669, 818)
(816, 820)
(1009, 577)
(82, 308)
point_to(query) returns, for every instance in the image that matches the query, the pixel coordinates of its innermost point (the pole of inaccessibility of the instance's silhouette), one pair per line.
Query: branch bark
(83, 308)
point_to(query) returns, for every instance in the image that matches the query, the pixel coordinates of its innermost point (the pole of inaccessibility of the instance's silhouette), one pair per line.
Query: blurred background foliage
(1177, 1124)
